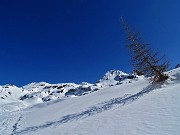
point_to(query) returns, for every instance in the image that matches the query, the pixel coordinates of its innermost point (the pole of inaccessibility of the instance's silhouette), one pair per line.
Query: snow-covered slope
(129, 108)
(10, 93)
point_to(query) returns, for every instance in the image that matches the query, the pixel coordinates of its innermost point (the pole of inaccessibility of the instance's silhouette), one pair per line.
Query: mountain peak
(114, 77)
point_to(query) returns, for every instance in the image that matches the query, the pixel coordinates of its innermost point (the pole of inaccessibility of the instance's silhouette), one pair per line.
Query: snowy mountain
(9, 93)
(41, 91)
(118, 104)
(115, 77)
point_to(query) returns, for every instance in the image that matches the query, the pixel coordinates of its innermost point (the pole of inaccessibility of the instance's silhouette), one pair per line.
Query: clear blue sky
(79, 40)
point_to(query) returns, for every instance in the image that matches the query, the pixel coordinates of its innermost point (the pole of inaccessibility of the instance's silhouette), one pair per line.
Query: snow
(131, 107)
(114, 77)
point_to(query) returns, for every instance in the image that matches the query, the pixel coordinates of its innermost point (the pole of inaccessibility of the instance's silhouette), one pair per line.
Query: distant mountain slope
(43, 92)
(115, 77)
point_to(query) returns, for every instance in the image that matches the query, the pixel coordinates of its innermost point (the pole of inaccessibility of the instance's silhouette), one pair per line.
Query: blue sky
(79, 40)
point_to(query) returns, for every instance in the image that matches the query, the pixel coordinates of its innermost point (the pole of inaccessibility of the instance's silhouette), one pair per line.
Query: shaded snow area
(117, 104)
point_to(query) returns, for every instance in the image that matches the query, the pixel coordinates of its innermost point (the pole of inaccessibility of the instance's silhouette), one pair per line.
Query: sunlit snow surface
(111, 107)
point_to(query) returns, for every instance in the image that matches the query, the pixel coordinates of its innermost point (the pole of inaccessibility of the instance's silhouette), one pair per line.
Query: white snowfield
(119, 107)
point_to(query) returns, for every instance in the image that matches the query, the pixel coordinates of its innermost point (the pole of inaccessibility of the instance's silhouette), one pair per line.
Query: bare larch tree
(143, 58)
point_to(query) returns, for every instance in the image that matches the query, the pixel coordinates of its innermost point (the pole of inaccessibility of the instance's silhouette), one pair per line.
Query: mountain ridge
(43, 91)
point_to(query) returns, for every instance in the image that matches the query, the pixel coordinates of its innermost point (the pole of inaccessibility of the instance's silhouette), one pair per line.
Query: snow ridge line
(91, 111)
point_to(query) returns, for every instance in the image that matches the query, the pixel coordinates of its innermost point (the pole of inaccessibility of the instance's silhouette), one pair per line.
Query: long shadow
(15, 126)
(90, 111)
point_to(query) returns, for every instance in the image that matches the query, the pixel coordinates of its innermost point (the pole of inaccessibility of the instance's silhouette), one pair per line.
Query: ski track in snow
(120, 101)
